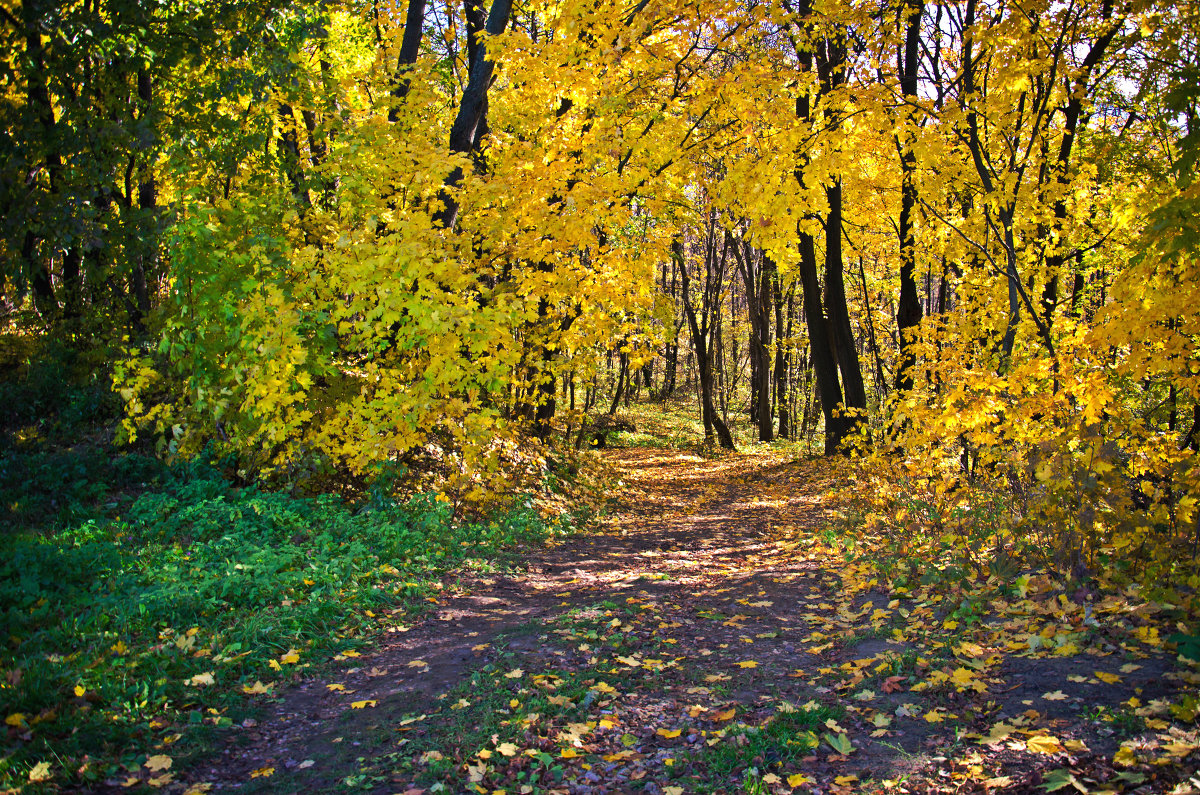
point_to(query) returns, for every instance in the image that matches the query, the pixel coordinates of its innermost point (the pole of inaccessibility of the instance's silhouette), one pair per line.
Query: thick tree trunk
(472, 110)
(908, 311)
(410, 48)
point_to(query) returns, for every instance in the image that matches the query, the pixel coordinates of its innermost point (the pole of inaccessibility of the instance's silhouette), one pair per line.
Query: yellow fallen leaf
(484, 754)
(934, 716)
(747, 664)
(1124, 757)
(274, 665)
(845, 781)
(366, 702)
(417, 664)
(996, 734)
(669, 733)
(1057, 695)
(568, 753)
(161, 781)
(79, 691)
(1044, 744)
(257, 688)
(205, 678)
(604, 687)
(158, 763)
(515, 673)
(771, 778)
(480, 646)
(507, 749)
(796, 779)
(1105, 676)
(262, 772)
(16, 719)
(291, 658)
(351, 653)
(726, 715)
(672, 790)
(198, 789)
(335, 687)
(40, 772)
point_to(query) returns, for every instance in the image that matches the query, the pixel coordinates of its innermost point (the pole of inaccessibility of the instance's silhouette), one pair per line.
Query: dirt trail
(692, 625)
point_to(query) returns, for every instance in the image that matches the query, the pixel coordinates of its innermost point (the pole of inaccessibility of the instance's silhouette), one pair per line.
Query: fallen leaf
(841, 743)
(335, 687)
(726, 715)
(366, 702)
(515, 673)
(262, 772)
(1105, 676)
(291, 658)
(417, 664)
(158, 763)
(1044, 744)
(747, 664)
(507, 749)
(16, 719)
(669, 733)
(1057, 695)
(893, 684)
(258, 687)
(307, 763)
(40, 772)
(205, 678)
(796, 779)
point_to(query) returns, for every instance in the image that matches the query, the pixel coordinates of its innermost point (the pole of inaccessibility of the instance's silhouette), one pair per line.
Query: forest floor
(711, 634)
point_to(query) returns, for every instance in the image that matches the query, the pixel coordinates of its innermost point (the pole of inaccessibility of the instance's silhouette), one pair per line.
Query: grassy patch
(125, 631)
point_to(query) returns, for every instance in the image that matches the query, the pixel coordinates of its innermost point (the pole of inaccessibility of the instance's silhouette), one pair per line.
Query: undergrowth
(146, 606)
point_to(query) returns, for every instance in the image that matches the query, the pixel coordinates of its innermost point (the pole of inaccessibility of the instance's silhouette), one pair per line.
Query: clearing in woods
(715, 634)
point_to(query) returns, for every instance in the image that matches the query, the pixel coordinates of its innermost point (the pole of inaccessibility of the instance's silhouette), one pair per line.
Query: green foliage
(198, 577)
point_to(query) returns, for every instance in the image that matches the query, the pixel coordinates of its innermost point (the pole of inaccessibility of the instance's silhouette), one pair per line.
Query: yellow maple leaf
(1105, 676)
(335, 687)
(1124, 757)
(79, 691)
(262, 772)
(1044, 744)
(515, 673)
(205, 678)
(40, 772)
(257, 688)
(747, 664)
(291, 658)
(726, 715)
(934, 716)
(351, 653)
(796, 779)
(669, 733)
(367, 702)
(1057, 695)
(158, 763)
(568, 753)
(16, 719)
(507, 749)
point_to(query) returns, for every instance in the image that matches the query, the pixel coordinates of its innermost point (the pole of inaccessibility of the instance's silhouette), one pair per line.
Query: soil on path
(706, 637)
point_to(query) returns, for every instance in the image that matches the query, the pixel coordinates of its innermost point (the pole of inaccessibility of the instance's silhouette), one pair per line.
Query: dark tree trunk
(472, 110)
(908, 312)
(410, 48)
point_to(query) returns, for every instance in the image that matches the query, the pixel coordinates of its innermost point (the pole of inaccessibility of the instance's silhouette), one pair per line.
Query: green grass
(110, 619)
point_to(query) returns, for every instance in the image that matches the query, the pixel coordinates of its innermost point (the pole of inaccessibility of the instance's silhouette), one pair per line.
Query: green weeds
(126, 629)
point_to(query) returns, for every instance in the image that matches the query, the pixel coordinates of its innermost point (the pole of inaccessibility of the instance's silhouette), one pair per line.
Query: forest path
(705, 637)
